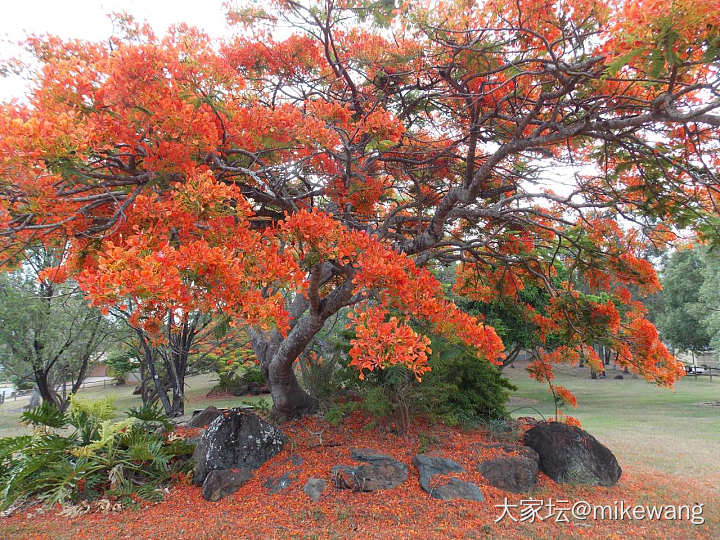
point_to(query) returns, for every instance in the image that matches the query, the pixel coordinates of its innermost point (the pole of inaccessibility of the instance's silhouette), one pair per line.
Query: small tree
(49, 335)
(679, 308)
(166, 354)
(710, 298)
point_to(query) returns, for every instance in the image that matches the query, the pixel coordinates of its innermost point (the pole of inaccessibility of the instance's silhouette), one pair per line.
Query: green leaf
(44, 415)
(615, 66)
(657, 62)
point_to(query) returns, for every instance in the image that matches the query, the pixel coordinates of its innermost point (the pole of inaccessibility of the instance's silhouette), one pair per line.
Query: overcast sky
(87, 19)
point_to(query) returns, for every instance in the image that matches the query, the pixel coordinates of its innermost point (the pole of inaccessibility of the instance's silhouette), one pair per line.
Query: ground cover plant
(126, 460)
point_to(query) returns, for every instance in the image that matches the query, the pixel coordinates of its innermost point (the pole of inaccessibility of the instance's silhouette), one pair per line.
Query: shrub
(252, 375)
(391, 395)
(328, 377)
(121, 363)
(461, 388)
(323, 368)
(336, 412)
(126, 459)
(238, 378)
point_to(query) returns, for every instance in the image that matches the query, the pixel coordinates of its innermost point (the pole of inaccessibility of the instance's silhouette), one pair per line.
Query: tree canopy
(280, 179)
(686, 311)
(48, 336)
(680, 311)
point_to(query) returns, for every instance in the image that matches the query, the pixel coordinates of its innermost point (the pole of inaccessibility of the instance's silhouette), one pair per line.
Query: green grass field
(667, 429)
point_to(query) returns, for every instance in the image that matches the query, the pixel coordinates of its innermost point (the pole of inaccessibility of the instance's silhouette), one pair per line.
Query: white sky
(87, 19)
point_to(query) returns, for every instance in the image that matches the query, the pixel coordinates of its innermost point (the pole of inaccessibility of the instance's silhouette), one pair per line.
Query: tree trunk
(289, 399)
(511, 357)
(277, 354)
(149, 357)
(178, 405)
(178, 391)
(35, 400)
(276, 364)
(47, 392)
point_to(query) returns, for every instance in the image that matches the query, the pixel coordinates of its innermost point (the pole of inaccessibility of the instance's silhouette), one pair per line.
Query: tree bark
(149, 356)
(277, 354)
(510, 358)
(47, 392)
(289, 399)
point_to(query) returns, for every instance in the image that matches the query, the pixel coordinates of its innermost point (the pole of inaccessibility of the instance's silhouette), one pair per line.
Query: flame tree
(278, 181)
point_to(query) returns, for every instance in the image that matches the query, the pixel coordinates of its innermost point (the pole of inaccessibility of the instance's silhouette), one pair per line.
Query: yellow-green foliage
(99, 409)
(126, 458)
(108, 432)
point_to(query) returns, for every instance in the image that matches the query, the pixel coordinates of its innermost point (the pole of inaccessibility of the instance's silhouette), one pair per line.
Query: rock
(195, 440)
(570, 455)
(378, 475)
(314, 487)
(456, 489)
(278, 484)
(204, 417)
(368, 454)
(221, 483)
(429, 466)
(516, 473)
(381, 472)
(444, 489)
(509, 448)
(236, 439)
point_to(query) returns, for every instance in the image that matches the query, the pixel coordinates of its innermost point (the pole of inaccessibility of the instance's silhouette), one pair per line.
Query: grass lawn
(196, 391)
(645, 425)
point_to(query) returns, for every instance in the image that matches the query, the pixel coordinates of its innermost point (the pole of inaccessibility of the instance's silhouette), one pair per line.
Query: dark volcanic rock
(381, 472)
(219, 484)
(236, 439)
(278, 484)
(368, 454)
(429, 466)
(452, 488)
(204, 417)
(515, 469)
(444, 488)
(370, 477)
(569, 454)
(511, 473)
